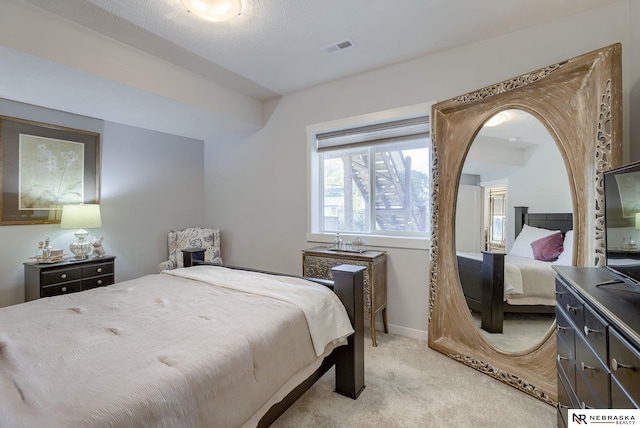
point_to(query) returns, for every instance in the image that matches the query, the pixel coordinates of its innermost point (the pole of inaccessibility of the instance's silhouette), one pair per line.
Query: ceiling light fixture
(214, 10)
(496, 120)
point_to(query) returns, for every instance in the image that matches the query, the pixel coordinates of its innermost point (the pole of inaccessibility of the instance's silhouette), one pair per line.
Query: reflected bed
(495, 283)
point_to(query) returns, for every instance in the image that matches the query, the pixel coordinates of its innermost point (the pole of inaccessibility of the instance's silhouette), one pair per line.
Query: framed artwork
(42, 168)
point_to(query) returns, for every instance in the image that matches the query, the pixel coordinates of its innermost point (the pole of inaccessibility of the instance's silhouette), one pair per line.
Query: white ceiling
(499, 150)
(276, 46)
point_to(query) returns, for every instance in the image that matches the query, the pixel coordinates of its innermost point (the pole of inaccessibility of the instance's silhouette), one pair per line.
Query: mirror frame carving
(580, 103)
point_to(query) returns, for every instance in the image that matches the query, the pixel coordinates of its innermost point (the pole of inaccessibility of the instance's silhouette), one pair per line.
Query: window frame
(314, 216)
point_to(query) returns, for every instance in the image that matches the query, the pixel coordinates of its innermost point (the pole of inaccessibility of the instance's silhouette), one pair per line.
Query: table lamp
(80, 217)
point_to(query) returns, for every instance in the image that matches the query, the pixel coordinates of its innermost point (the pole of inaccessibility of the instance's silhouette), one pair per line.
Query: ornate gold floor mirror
(579, 103)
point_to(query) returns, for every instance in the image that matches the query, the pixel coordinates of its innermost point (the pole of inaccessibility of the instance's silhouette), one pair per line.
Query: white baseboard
(402, 331)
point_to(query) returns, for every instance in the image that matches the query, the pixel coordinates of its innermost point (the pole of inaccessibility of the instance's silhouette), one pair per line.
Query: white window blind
(394, 131)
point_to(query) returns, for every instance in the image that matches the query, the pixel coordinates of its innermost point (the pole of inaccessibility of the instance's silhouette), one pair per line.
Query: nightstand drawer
(97, 269)
(67, 287)
(61, 275)
(97, 281)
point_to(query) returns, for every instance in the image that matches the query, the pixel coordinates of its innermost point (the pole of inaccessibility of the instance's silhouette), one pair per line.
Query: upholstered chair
(192, 237)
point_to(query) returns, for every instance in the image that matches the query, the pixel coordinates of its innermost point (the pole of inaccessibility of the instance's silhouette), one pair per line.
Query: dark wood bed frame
(348, 359)
(483, 281)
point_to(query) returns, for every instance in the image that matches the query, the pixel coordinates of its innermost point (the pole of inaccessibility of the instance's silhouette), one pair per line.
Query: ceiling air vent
(339, 46)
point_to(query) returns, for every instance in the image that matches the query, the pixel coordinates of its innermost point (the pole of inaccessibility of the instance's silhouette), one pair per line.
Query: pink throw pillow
(548, 248)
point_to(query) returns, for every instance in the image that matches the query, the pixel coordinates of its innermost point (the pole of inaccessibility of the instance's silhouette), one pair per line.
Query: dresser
(68, 276)
(317, 263)
(598, 341)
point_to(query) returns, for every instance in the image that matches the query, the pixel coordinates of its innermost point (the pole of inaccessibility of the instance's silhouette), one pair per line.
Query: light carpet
(410, 385)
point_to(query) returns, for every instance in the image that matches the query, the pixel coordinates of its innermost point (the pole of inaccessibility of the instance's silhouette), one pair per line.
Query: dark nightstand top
(70, 261)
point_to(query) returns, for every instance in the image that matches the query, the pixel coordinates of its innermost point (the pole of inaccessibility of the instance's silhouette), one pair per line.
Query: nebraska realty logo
(598, 417)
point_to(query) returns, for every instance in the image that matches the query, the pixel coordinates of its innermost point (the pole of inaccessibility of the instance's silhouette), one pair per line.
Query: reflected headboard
(551, 221)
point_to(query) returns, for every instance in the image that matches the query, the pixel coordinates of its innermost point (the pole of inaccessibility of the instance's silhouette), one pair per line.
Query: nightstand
(317, 263)
(67, 276)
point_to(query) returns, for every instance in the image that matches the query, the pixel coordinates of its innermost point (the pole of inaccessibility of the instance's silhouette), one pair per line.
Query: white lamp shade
(214, 10)
(84, 216)
(637, 220)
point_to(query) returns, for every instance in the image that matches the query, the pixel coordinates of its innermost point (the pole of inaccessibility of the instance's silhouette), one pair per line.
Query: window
(374, 179)
(497, 218)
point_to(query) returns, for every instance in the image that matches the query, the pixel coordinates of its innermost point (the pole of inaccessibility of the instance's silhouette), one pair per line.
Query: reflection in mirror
(579, 103)
(512, 163)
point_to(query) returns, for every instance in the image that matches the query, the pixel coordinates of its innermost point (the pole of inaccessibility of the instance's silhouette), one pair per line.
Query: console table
(598, 341)
(317, 263)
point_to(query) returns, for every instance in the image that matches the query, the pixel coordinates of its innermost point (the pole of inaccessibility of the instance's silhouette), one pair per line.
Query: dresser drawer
(571, 304)
(592, 377)
(566, 361)
(64, 288)
(565, 402)
(619, 397)
(594, 329)
(562, 294)
(624, 362)
(606, 319)
(61, 275)
(97, 269)
(566, 331)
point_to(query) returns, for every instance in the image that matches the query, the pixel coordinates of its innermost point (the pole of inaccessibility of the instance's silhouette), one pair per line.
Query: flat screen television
(622, 222)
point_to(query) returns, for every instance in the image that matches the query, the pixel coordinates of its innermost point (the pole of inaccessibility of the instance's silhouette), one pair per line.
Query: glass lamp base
(81, 248)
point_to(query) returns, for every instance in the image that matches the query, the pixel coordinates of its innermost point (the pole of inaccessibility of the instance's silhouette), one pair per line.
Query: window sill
(411, 243)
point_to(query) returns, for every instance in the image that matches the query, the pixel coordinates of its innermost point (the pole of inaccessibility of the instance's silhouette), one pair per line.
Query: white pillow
(522, 245)
(566, 258)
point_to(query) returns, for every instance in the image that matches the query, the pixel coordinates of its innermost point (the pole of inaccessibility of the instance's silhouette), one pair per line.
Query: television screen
(622, 222)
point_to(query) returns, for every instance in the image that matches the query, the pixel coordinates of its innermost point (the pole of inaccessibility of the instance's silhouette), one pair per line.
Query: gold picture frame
(43, 167)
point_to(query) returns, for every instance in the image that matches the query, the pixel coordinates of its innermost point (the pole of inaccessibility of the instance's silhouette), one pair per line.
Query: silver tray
(348, 251)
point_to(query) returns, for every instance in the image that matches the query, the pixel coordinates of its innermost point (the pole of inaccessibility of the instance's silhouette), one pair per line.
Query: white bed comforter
(327, 318)
(161, 351)
(526, 281)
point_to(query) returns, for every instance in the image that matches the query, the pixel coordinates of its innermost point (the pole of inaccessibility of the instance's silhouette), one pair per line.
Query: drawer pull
(588, 330)
(63, 276)
(63, 289)
(99, 270)
(573, 309)
(563, 327)
(583, 405)
(560, 358)
(99, 282)
(562, 406)
(559, 293)
(615, 365)
(584, 367)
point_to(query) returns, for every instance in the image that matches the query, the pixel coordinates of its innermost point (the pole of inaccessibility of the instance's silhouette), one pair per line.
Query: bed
(498, 283)
(201, 346)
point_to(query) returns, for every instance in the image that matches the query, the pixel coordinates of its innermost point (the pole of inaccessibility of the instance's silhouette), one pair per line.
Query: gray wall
(262, 202)
(151, 182)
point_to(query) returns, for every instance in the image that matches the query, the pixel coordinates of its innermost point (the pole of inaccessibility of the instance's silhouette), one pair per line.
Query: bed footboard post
(192, 255)
(492, 292)
(348, 286)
